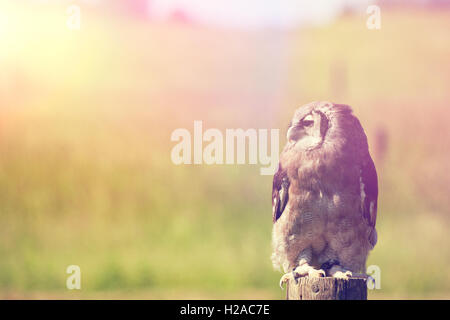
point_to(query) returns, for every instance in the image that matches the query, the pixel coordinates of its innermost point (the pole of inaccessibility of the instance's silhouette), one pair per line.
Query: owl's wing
(280, 193)
(369, 192)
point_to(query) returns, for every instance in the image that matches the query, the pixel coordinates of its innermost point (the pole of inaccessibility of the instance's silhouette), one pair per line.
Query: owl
(324, 197)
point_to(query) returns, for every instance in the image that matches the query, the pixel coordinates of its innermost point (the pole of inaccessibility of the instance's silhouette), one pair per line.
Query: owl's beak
(290, 134)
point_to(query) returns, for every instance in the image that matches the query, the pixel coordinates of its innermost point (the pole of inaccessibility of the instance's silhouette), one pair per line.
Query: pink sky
(253, 13)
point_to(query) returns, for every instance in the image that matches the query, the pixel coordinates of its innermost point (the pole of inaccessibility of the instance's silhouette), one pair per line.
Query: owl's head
(309, 126)
(317, 123)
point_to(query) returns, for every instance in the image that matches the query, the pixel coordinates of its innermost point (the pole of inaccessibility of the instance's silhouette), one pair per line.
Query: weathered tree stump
(327, 288)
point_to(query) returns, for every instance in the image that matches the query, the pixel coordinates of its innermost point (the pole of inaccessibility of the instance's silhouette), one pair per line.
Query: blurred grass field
(85, 170)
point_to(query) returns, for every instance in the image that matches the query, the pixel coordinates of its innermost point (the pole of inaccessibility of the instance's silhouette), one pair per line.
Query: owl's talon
(301, 271)
(295, 276)
(289, 276)
(306, 270)
(286, 277)
(343, 275)
(313, 273)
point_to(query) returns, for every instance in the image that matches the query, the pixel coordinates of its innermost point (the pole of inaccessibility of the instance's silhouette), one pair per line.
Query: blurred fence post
(327, 289)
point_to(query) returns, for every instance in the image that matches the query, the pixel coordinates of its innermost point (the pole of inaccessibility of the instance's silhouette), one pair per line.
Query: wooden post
(327, 288)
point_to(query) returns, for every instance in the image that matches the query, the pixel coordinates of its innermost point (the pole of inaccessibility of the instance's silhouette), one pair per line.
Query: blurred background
(87, 110)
